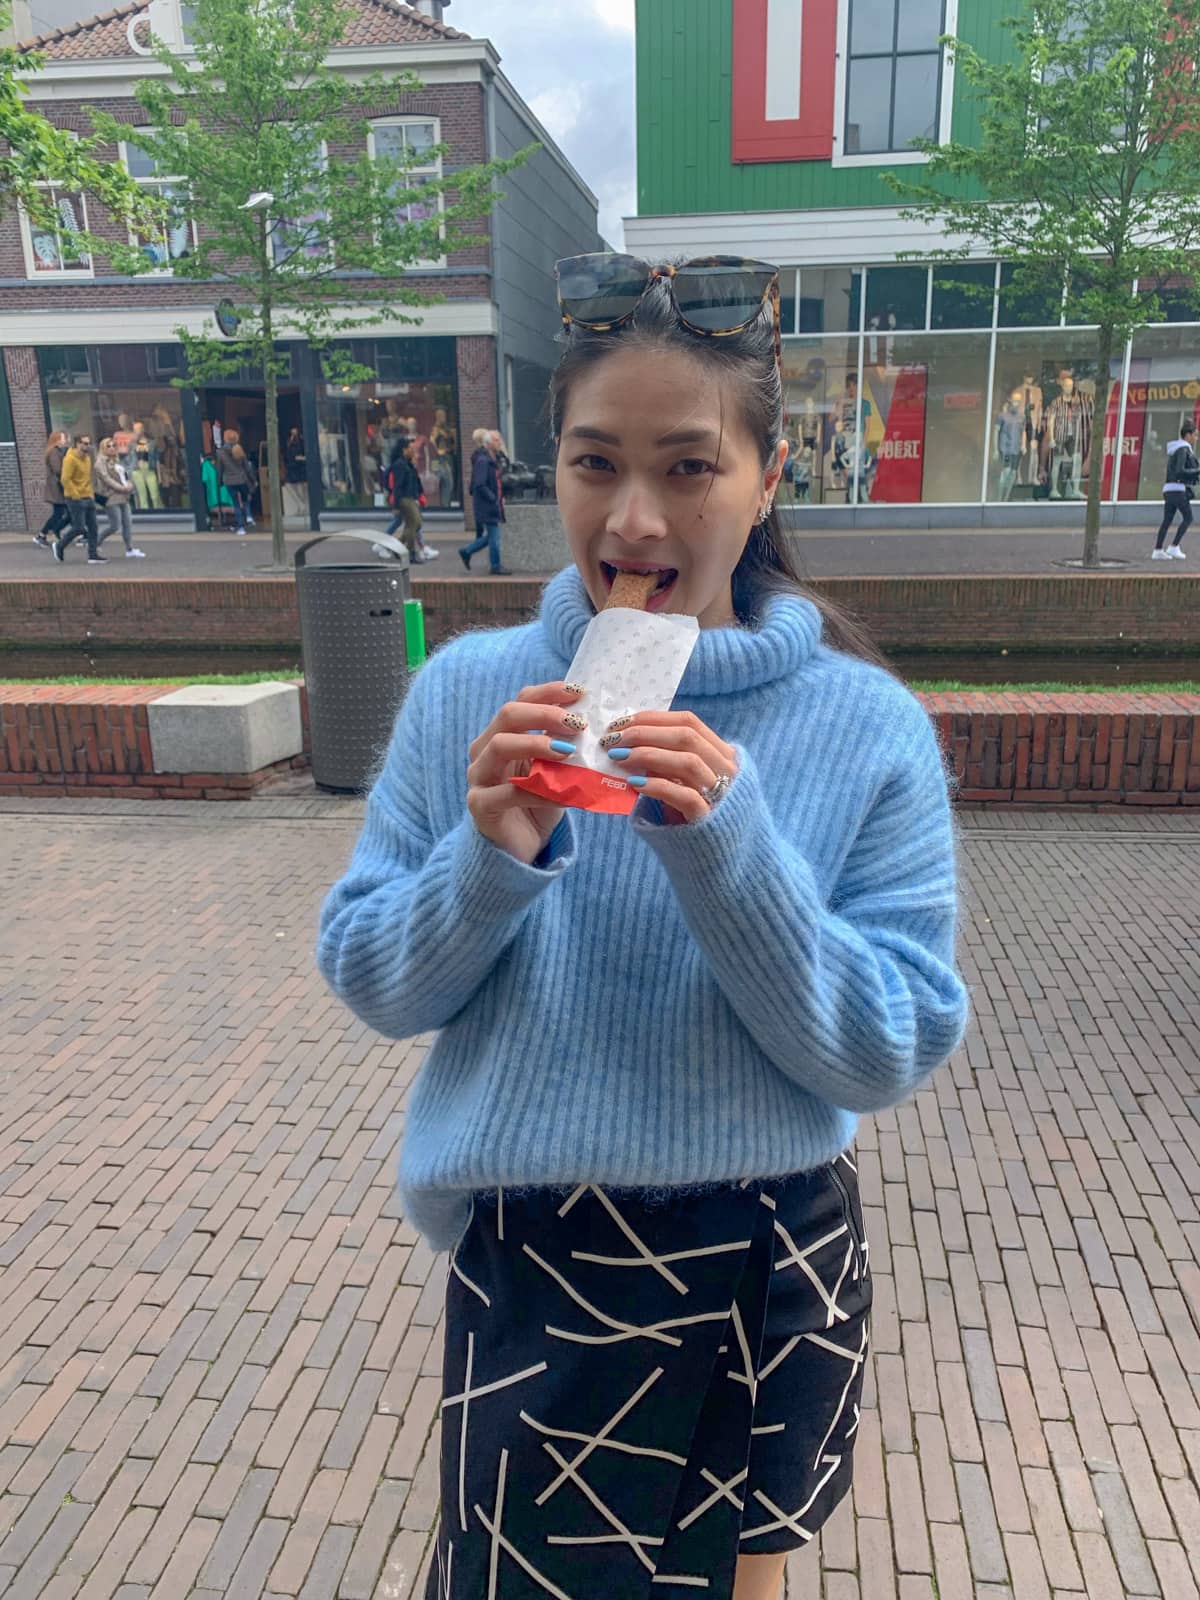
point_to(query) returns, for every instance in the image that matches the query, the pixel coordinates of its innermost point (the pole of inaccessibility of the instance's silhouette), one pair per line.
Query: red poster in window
(1134, 435)
(784, 61)
(900, 459)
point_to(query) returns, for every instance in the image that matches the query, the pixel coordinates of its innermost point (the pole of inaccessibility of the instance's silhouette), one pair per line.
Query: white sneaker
(430, 553)
(249, 522)
(1160, 555)
(140, 553)
(1177, 553)
(241, 532)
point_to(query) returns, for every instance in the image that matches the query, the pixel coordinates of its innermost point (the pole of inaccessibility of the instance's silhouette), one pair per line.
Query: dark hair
(1186, 427)
(767, 565)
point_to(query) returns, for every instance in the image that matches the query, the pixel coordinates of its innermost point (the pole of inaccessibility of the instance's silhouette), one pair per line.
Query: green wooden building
(764, 129)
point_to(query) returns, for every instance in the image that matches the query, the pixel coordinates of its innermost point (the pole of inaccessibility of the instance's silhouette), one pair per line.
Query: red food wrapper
(629, 661)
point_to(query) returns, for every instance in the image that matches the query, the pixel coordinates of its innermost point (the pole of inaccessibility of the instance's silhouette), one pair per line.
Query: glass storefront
(360, 425)
(124, 392)
(945, 385)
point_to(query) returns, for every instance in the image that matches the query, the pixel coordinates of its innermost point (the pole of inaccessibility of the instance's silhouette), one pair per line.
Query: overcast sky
(573, 64)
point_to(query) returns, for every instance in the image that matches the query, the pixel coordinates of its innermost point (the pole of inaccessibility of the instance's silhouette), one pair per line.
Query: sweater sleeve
(857, 1000)
(419, 921)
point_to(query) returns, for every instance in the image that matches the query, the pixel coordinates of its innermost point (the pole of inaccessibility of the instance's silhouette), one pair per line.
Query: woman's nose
(637, 514)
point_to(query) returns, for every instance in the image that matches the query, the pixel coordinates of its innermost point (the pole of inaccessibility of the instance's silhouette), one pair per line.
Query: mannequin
(444, 445)
(1068, 440)
(142, 461)
(166, 443)
(802, 474)
(1011, 440)
(1033, 405)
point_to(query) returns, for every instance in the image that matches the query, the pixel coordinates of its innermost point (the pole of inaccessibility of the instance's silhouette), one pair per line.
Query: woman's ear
(775, 471)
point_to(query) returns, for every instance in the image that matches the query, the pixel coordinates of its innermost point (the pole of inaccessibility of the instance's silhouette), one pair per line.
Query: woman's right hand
(520, 732)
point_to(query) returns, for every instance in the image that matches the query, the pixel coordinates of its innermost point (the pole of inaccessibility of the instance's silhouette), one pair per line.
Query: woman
(236, 472)
(112, 481)
(1183, 471)
(56, 449)
(487, 502)
(655, 1034)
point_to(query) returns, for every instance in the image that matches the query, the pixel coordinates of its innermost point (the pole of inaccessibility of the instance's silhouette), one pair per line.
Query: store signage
(227, 318)
(784, 61)
(1133, 436)
(900, 458)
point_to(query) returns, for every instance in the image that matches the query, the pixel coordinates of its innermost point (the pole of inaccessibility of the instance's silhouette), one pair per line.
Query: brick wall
(93, 742)
(478, 399)
(1048, 614)
(459, 106)
(1099, 751)
(29, 431)
(12, 506)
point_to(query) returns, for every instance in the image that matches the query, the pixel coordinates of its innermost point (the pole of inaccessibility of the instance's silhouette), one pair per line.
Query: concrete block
(532, 539)
(225, 727)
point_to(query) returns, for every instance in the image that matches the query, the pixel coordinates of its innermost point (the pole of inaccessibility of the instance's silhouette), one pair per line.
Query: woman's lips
(659, 598)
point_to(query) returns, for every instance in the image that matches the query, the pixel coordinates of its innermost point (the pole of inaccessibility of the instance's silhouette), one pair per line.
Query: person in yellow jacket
(81, 500)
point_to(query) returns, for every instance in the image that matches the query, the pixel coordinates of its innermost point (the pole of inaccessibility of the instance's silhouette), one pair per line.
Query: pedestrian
(404, 494)
(1183, 471)
(56, 449)
(237, 475)
(487, 501)
(656, 1031)
(80, 491)
(113, 481)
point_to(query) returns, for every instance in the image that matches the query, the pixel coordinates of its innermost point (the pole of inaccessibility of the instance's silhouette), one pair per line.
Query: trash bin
(354, 639)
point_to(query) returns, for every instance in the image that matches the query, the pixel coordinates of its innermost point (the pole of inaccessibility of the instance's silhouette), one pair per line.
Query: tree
(258, 114)
(33, 152)
(1086, 176)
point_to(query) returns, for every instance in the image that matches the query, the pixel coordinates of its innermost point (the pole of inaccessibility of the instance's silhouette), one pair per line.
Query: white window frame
(436, 169)
(886, 158)
(155, 186)
(274, 217)
(39, 275)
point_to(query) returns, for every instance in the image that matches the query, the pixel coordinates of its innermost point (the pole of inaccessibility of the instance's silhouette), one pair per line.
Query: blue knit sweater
(655, 1005)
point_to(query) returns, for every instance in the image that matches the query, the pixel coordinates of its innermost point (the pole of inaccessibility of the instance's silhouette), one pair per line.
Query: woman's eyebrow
(675, 437)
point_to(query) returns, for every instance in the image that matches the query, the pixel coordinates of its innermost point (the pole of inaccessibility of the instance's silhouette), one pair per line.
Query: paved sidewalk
(901, 552)
(219, 1342)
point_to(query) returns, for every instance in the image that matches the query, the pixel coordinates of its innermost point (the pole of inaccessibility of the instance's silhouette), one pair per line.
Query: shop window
(1028, 305)
(361, 426)
(415, 141)
(1164, 392)
(897, 297)
(6, 422)
(830, 300)
(1178, 297)
(894, 75)
(925, 419)
(963, 295)
(53, 243)
(1054, 419)
(787, 300)
(175, 238)
(823, 421)
(147, 425)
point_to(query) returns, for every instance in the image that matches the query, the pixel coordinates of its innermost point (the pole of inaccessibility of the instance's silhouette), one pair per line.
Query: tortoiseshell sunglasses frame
(668, 273)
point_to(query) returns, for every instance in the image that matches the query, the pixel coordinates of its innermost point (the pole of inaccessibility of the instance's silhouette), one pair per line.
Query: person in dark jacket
(404, 495)
(487, 500)
(236, 472)
(1183, 471)
(56, 449)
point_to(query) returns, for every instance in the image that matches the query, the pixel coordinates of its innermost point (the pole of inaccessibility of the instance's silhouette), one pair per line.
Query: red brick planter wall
(1046, 613)
(1029, 749)
(94, 741)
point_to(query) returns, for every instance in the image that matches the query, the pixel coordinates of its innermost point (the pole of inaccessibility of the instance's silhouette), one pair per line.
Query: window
(894, 74)
(830, 299)
(416, 142)
(53, 246)
(897, 297)
(963, 293)
(175, 239)
(304, 233)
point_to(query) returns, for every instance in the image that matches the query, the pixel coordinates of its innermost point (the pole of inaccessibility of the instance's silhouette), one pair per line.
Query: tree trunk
(279, 555)
(1091, 533)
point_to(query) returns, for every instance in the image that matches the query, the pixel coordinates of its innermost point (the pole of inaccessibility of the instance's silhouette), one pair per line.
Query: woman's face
(658, 472)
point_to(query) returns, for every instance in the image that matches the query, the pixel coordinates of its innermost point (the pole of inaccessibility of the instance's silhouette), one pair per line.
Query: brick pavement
(219, 1341)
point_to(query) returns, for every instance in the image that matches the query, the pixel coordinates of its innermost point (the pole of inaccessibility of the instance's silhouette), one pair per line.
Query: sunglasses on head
(713, 296)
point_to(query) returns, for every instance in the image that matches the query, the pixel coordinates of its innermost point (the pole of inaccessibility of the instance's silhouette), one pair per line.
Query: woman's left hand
(679, 756)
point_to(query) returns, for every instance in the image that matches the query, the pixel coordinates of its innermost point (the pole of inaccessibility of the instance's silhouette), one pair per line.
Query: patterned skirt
(640, 1388)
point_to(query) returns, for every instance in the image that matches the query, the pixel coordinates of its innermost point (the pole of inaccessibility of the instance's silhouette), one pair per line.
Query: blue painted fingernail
(562, 748)
(619, 755)
(636, 781)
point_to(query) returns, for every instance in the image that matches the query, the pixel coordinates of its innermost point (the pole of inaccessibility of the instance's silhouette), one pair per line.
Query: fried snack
(632, 590)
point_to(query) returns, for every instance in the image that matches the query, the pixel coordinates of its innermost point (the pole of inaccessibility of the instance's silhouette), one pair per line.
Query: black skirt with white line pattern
(639, 1389)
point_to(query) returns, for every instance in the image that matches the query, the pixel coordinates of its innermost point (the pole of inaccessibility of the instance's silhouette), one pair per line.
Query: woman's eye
(691, 468)
(594, 463)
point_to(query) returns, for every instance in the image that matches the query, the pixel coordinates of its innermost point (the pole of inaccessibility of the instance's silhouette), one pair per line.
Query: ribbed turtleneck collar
(725, 660)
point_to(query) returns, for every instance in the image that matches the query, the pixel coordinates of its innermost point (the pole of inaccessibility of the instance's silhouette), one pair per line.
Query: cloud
(577, 80)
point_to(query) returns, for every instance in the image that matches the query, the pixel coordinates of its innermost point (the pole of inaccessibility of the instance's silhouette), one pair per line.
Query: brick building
(85, 348)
